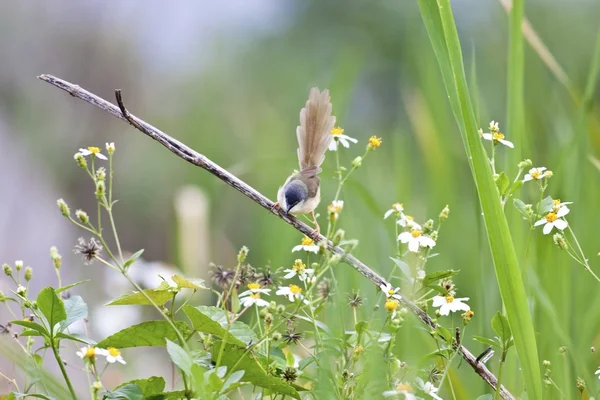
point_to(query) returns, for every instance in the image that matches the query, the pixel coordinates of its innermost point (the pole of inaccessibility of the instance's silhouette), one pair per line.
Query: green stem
(62, 369)
(499, 384)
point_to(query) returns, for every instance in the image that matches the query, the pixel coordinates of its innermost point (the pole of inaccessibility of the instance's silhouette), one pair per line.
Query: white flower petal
(413, 245)
(548, 228)
(438, 301)
(297, 248)
(388, 213)
(507, 143)
(333, 145)
(562, 211)
(405, 237)
(527, 178)
(540, 222)
(426, 241)
(561, 224)
(487, 136)
(101, 156)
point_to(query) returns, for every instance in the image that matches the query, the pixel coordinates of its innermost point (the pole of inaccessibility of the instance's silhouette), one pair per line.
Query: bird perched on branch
(301, 192)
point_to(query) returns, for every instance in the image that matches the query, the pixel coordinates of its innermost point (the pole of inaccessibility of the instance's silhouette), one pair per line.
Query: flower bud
(525, 164)
(80, 159)
(580, 384)
(21, 290)
(7, 269)
(280, 309)
(276, 336)
(101, 174)
(374, 143)
(82, 216)
(357, 162)
(335, 259)
(268, 319)
(63, 207)
(338, 237)
(242, 254)
(28, 273)
(548, 174)
(560, 241)
(445, 213)
(56, 258)
(110, 148)
(434, 236)
(428, 226)
(18, 265)
(100, 189)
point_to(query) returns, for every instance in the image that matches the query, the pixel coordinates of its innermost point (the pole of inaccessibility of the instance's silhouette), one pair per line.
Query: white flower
(299, 268)
(535, 173)
(494, 127)
(252, 296)
(390, 291)
(254, 288)
(597, 373)
(94, 151)
(110, 147)
(335, 208)
(338, 136)
(553, 220)
(406, 221)
(292, 292)
(397, 208)
(497, 137)
(21, 290)
(449, 303)
(431, 390)
(19, 264)
(112, 355)
(415, 239)
(402, 388)
(557, 205)
(307, 245)
(87, 352)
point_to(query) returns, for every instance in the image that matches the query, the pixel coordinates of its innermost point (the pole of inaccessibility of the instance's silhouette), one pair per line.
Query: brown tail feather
(313, 133)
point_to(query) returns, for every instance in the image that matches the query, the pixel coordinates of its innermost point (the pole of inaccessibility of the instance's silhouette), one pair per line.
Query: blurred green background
(230, 79)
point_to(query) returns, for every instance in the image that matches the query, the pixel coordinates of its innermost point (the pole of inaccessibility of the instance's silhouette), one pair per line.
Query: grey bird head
(295, 192)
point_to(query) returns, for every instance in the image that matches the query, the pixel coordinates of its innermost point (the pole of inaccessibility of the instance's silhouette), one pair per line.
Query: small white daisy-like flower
(292, 292)
(299, 268)
(88, 352)
(339, 137)
(406, 221)
(497, 137)
(535, 174)
(110, 147)
(335, 208)
(431, 390)
(402, 388)
(390, 291)
(21, 290)
(416, 239)
(557, 205)
(307, 245)
(93, 151)
(397, 209)
(449, 304)
(112, 355)
(251, 297)
(19, 264)
(254, 288)
(553, 219)
(494, 127)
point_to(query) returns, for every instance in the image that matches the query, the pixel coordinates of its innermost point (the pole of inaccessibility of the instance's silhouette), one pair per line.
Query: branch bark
(193, 157)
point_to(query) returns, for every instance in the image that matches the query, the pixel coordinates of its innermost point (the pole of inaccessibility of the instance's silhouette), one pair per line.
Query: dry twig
(183, 151)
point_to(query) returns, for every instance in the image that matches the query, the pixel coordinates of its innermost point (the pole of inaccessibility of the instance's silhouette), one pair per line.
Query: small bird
(301, 192)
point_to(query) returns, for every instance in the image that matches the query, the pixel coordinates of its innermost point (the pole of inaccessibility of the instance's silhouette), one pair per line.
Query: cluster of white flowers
(252, 296)
(406, 390)
(112, 354)
(413, 234)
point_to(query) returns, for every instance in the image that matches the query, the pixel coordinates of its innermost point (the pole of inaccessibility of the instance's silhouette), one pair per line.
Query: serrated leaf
(180, 357)
(160, 297)
(214, 321)
(546, 205)
(502, 183)
(487, 341)
(437, 276)
(501, 327)
(189, 283)
(76, 309)
(33, 326)
(237, 358)
(132, 259)
(127, 392)
(63, 288)
(149, 333)
(51, 306)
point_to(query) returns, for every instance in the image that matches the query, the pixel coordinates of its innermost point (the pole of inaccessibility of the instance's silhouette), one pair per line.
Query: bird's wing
(313, 133)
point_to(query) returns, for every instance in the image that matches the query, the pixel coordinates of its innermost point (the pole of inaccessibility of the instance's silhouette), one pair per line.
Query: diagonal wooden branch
(183, 151)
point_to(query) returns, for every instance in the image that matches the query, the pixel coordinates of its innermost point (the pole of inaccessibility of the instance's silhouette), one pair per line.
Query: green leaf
(502, 183)
(51, 306)
(520, 206)
(33, 326)
(213, 320)
(177, 395)
(501, 327)
(36, 395)
(236, 359)
(127, 392)
(160, 297)
(76, 338)
(515, 186)
(180, 357)
(434, 277)
(132, 259)
(403, 267)
(546, 205)
(189, 283)
(149, 333)
(444, 333)
(232, 380)
(63, 288)
(76, 309)
(439, 21)
(487, 341)
(149, 386)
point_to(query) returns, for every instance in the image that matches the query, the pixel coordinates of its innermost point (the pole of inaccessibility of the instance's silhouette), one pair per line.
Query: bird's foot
(275, 207)
(317, 232)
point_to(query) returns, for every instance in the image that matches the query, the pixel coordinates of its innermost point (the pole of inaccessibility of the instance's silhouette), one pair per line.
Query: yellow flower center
(497, 136)
(90, 352)
(94, 150)
(299, 266)
(551, 217)
(253, 286)
(391, 292)
(295, 289)
(391, 305)
(306, 241)
(556, 202)
(374, 142)
(337, 131)
(114, 352)
(397, 206)
(409, 218)
(255, 296)
(404, 387)
(449, 299)
(415, 233)
(535, 174)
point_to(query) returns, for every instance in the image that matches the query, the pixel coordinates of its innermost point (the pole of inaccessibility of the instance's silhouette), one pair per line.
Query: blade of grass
(441, 28)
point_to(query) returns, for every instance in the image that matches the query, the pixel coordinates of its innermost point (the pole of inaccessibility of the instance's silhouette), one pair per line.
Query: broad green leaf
(177, 395)
(132, 259)
(51, 306)
(437, 276)
(515, 186)
(501, 327)
(361, 327)
(487, 341)
(213, 320)
(160, 297)
(76, 338)
(36, 395)
(232, 380)
(149, 386)
(180, 357)
(444, 333)
(76, 309)
(502, 183)
(189, 283)
(439, 21)
(546, 205)
(239, 359)
(127, 392)
(149, 333)
(33, 326)
(63, 288)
